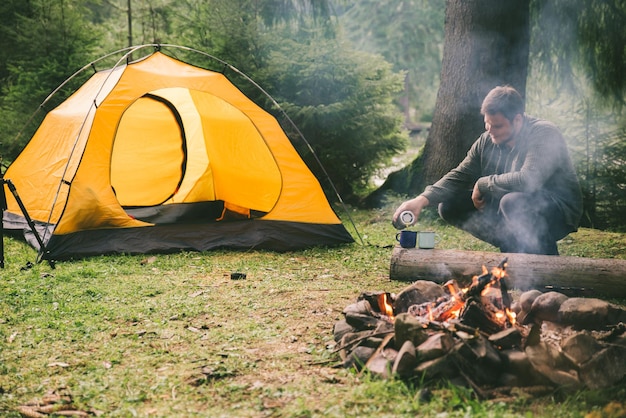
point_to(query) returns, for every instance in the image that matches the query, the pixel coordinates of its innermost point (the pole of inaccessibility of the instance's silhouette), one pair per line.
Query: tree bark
(486, 44)
(580, 276)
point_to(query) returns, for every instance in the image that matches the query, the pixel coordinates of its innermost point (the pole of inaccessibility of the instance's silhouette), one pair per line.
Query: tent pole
(3, 207)
(31, 224)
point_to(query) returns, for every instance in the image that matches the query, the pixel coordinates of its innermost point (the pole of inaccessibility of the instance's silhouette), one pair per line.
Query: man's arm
(544, 156)
(460, 179)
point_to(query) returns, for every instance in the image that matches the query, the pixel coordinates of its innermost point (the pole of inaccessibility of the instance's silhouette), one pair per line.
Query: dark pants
(519, 223)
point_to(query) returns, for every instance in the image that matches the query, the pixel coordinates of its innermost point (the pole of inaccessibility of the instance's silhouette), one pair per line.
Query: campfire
(476, 334)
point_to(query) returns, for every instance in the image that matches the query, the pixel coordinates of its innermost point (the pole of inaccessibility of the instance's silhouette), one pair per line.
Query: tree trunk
(486, 44)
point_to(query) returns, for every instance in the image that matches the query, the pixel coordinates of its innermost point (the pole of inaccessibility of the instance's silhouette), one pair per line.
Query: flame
(453, 289)
(498, 272)
(511, 316)
(385, 306)
(453, 306)
(475, 278)
(505, 317)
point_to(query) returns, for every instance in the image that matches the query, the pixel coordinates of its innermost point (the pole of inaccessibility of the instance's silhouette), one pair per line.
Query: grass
(174, 336)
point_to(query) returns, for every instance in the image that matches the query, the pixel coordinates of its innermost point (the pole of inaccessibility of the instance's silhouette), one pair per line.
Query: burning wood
(457, 302)
(447, 331)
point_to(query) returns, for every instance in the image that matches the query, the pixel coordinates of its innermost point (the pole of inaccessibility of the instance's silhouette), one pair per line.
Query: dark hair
(505, 100)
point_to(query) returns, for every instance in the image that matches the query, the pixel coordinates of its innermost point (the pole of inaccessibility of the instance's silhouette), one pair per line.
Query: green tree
(584, 34)
(409, 34)
(9, 33)
(52, 39)
(134, 22)
(342, 101)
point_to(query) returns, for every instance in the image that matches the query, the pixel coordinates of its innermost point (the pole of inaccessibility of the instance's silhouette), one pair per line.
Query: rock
(516, 307)
(406, 360)
(579, 348)
(419, 292)
(549, 362)
(546, 307)
(361, 307)
(435, 346)
(520, 317)
(584, 313)
(479, 359)
(544, 354)
(564, 379)
(526, 299)
(439, 368)
(617, 314)
(340, 329)
(605, 368)
(510, 380)
(523, 305)
(409, 328)
(361, 321)
(516, 362)
(353, 340)
(372, 300)
(379, 365)
(358, 357)
(390, 354)
(374, 342)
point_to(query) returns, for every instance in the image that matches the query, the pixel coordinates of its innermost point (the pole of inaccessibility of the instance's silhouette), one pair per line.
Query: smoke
(521, 223)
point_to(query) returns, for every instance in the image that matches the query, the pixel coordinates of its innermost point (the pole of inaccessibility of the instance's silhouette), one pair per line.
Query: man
(516, 188)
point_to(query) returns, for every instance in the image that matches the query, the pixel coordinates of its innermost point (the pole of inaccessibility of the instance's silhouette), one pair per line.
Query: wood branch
(575, 276)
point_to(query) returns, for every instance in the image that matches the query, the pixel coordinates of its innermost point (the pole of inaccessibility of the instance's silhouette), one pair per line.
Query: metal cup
(407, 239)
(427, 239)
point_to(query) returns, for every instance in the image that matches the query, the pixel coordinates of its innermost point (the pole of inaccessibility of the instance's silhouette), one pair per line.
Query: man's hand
(478, 198)
(414, 205)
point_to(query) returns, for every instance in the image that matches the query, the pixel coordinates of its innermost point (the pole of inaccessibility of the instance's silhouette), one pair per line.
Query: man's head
(505, 100)
(503, 109)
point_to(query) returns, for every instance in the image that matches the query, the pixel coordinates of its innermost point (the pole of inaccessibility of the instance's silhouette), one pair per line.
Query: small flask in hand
(405, 219)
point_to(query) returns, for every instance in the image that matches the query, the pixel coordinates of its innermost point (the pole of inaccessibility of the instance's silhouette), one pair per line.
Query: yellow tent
(158, 155)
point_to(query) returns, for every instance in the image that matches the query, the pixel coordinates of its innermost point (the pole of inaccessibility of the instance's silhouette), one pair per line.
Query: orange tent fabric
(159, 155)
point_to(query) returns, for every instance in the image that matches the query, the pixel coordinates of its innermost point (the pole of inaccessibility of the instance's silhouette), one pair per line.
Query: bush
(341, 100)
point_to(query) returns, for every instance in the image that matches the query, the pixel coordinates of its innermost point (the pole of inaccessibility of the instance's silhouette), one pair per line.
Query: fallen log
(574, 276)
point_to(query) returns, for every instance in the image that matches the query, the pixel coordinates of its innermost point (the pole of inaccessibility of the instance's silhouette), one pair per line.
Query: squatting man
(516, 188)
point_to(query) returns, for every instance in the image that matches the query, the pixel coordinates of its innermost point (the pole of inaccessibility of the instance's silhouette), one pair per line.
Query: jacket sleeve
(458, 179)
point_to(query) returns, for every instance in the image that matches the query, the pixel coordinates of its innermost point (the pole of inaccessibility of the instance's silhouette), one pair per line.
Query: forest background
(359, 78)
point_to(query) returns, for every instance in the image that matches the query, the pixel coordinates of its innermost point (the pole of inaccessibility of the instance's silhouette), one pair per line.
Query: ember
(480, 336)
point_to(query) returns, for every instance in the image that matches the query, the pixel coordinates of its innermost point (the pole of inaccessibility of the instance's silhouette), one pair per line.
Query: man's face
(502, 130)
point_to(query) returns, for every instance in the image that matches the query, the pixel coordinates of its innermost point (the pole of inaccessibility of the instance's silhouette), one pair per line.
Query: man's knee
(446, 211)
(457, 209)
(514, 202)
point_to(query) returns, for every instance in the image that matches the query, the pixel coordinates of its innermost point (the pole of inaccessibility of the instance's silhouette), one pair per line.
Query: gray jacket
(539, 161)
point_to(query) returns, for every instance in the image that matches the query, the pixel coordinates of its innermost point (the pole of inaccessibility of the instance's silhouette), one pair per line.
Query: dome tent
(157, 155)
